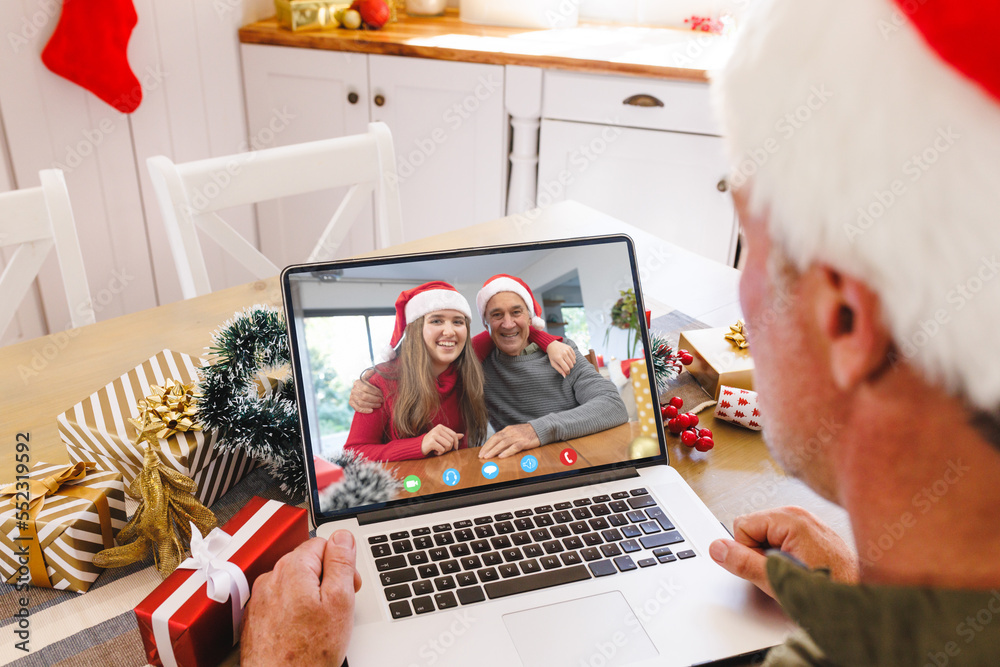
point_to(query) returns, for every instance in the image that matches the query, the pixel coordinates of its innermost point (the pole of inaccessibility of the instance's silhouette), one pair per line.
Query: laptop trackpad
(596, 630)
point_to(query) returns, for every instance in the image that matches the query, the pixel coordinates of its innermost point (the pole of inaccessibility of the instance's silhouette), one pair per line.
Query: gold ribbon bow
(738, 335)
(54, 485)
(168, 409)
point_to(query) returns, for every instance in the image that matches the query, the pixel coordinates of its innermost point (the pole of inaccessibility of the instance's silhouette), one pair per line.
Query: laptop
(571, 554)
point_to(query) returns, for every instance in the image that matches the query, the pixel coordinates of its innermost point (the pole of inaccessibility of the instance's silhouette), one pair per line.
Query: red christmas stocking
(89, 46)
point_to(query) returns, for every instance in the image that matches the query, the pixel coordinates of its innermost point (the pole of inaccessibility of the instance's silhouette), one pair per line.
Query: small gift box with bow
(720, 358)
(54, 519)
(193, 618)
(161, 388)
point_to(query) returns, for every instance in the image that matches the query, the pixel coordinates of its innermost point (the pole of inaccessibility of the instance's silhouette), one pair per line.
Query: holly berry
(684, 420)
(689, 438)
(694, 418)
(704, 444)
(668, 411)
(674, 426)
(677, 402)
(704, 433)
(685, 357)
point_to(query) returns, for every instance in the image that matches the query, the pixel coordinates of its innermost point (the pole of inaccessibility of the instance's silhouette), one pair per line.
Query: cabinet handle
(643, 100)
(722, 185)
(379, 100)
(352, 97)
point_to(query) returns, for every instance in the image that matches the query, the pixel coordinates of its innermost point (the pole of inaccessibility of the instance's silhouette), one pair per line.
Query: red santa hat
(504, 283)
(867, 132)
(414, 303)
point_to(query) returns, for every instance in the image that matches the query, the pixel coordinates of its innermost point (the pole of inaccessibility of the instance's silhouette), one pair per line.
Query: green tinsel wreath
(266, 428)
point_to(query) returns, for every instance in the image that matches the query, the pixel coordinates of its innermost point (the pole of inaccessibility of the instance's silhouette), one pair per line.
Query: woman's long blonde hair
(415, 401)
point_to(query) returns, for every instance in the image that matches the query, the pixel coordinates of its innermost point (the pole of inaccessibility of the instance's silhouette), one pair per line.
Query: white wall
(186, 55)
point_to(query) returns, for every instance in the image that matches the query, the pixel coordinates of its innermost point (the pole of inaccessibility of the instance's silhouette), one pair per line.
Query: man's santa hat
(504, 283)
(868, 133)
(413, 304)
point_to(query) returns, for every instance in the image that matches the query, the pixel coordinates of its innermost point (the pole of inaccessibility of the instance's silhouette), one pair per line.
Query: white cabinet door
(294, 96)
(447, 121)
(666, 183)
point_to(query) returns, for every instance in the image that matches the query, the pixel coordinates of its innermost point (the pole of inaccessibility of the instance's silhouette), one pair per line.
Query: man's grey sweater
(527, 390)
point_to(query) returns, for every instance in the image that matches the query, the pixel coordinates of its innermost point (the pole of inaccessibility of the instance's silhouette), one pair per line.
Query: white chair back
(37, 220)
(190, 194)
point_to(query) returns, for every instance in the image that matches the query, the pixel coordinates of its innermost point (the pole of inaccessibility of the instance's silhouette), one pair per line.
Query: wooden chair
(37, 220)
(189, 195)
(592, 358)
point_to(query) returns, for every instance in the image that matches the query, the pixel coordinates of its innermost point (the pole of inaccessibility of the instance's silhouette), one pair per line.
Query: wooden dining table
(44, 377)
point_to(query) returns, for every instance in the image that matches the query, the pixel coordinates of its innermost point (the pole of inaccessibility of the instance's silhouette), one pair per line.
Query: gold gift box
(68, 528)
(717, 361)
(308, 14)
(97, 429)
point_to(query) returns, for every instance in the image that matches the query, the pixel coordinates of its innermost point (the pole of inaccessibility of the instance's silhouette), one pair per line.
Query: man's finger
(742, 561)
(760, 529)
(339, 558)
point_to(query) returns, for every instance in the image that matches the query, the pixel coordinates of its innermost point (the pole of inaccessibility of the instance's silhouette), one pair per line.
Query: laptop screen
(460, 351)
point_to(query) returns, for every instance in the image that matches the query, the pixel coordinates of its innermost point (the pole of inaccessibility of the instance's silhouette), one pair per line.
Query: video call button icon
(411, 483)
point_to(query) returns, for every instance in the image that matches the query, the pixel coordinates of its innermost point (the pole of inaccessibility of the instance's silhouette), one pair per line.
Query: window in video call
(457, 394)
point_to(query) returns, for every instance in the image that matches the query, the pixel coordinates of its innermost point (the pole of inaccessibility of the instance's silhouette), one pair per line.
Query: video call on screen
(344, 321)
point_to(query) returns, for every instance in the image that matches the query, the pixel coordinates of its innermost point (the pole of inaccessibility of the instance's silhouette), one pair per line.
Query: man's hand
(302, 612)
(561, 357)
(510, 441)
(365, 397)
(439, 440)
(792, 530)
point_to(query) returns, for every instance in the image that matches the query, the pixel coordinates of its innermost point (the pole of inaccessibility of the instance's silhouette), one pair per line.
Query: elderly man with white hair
(865, 143)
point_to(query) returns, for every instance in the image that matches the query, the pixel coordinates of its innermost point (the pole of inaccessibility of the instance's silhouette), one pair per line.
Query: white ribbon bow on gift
(225, 580)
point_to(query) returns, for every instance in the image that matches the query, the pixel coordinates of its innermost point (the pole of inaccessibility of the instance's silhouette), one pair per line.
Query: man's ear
(850, 318)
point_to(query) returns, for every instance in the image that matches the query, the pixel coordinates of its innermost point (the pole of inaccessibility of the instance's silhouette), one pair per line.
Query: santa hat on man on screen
(872, 144)
(504, 283)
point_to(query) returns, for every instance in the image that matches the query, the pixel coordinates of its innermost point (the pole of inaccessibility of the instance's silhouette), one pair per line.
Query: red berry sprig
(686, 425)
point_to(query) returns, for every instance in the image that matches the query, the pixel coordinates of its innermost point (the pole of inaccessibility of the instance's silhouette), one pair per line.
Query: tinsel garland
(267, 427)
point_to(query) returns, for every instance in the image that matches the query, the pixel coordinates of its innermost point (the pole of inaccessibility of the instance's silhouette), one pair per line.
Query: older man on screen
(865, 136)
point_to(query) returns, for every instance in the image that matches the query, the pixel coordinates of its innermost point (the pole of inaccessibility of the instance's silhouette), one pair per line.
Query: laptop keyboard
(450, 564)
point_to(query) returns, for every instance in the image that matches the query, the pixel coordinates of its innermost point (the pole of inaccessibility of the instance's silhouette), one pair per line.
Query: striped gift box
(97, 429)
(69, 529)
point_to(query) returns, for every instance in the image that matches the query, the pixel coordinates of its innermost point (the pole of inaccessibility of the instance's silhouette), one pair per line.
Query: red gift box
(201, 630)
(326, 473)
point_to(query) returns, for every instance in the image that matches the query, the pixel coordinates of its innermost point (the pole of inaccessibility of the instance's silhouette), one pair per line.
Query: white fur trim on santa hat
(867, 152)
(503, 284)
(436, 299)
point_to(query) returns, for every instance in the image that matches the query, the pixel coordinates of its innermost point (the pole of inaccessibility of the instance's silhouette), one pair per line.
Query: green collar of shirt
(530, 348)
(888, 625)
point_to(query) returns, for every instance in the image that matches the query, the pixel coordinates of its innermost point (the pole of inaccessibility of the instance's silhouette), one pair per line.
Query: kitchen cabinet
(447, 120)
(644, 151)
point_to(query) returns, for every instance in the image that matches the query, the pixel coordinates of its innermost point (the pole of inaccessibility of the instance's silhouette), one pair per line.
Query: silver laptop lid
(341, 318)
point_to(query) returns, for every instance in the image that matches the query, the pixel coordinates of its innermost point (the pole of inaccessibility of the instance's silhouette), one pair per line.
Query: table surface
(45, 376)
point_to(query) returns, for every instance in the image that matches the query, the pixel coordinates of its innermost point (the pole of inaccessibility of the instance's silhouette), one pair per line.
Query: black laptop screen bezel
(476, 494)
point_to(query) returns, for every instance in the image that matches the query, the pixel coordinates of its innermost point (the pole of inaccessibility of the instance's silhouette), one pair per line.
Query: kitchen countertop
(590, 47)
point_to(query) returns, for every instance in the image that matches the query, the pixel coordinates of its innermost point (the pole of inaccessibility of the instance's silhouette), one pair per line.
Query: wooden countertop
(590, 47)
